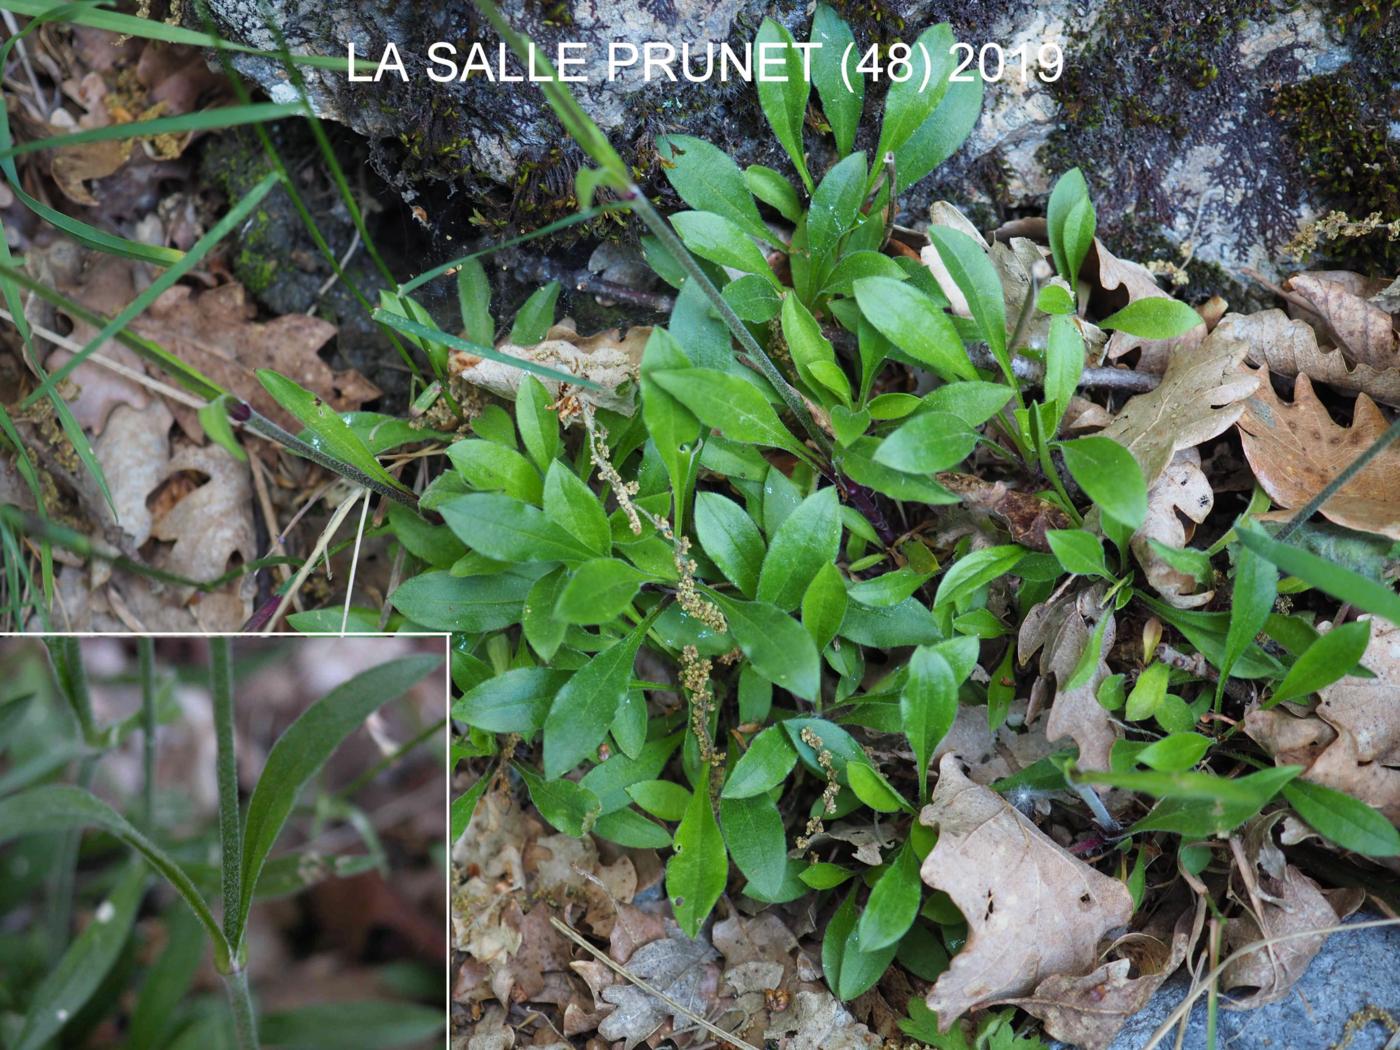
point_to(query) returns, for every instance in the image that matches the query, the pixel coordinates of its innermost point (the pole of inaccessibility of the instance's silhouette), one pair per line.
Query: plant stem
(230, 831)
(145, 648)
(240, 1001)
(673, 244)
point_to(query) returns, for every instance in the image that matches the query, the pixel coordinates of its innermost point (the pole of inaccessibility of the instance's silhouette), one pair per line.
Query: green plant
(62, 985)
(757, 537)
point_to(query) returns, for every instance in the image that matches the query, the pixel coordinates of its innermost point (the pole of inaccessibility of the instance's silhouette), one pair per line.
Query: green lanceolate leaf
(1199, 804)
(824, 604)
(566, 804)
(599, 591)
(1341, 583)
(699, 867)
(490, 467)
(779, 648)
(940, 136)
(973, 570)
(753, 831)
(537, 422)
(1332, 656)
(579, 718)
(440, 601)
(928, 704)
(1349, 823)
(850, 967)
(84, 964)
(728, 403)
(972, 271)
(708, 180)
(508, 530)
(763, 766)
(1174, 753)
(330, 434)
(1078, 551)
(1069, 218)
(1110, 476)
(811, 351)
(870, 786)
(359, 1024)
(719, 240)
(773, 190)
(731, 539)
(474, 298)
(1251, 601)
(841, 104)
(834, 209)
(535, 316)
(515, 701)
(784, 96)
(1148, 693)
(1064, 365)
(893, 903)
(809, 538)
(910, 103)
(929, 442)
(459, 813)
(913, 322)
(59, 806)
(1153, 318)
(661, 798)
(303, 749)
(571, 505)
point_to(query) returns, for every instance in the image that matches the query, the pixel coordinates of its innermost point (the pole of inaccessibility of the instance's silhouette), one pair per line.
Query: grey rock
(1167, 105)
(1354, 970)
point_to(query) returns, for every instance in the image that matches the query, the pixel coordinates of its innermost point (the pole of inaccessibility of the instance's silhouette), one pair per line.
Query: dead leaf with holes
(610, 359)
(1350, 741)
(682, 968)
(1182, 490)
(1290, 347)
(1278, 901)
(1295, 450)
(1088, 1011)
(1061, 628)
(1336, 304)
(1033, 909)
(212, 523)
(1201, 394)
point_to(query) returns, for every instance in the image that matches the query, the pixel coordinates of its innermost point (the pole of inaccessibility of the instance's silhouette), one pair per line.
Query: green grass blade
(544, 231)
(304, 748)
(59, 806)
(203, 120)
(1340, 583)
(84, 964)
(436, 335)
(190, 378)
(192, 258)
(149, 29)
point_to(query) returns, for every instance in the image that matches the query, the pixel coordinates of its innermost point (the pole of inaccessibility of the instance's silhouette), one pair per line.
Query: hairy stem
(662, 229)
(230, 831)
(145, 648)
(240, 1001)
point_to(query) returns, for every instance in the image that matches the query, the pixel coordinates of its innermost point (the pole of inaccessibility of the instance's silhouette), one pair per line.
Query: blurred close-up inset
(222, 843)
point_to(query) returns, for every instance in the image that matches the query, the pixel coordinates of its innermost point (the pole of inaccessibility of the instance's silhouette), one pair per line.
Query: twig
(1033, 372)
(354, 563)
(329, 282)
(727, 1037)
(539, 268)
(1197, 666)
(13, 27)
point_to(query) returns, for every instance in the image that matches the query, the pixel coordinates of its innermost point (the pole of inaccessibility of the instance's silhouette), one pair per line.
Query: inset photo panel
(223, 842)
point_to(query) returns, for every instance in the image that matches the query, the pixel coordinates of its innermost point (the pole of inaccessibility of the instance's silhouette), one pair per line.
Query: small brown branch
(1197, 665)
(539, 268)
(1033, 373)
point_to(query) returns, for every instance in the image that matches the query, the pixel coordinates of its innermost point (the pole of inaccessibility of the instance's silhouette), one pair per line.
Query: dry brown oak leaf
(1351, 740)
(1337, 304)
(1033, 909)
(1295, 450)
(1290, 347)
(1183, 491)
(1201, 394)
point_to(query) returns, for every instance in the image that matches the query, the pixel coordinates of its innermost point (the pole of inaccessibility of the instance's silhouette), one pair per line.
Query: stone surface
(1176, 110)
(1355, 970)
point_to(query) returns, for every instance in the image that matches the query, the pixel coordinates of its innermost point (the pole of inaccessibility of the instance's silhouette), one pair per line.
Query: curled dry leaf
(1290, 347)
(212, 522)
(1278, 900)
(1061, 627)
(1351, 739)
(1295, 450)
(1181, 490)
(1088, 1011)
(676, 965)
(609, 359)
(1336, 304)
(1033, 909)
(1200, 395)
(1120, 282)
(1024, 515)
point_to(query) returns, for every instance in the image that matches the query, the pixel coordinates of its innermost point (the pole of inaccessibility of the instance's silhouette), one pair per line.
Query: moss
(1339, 125)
